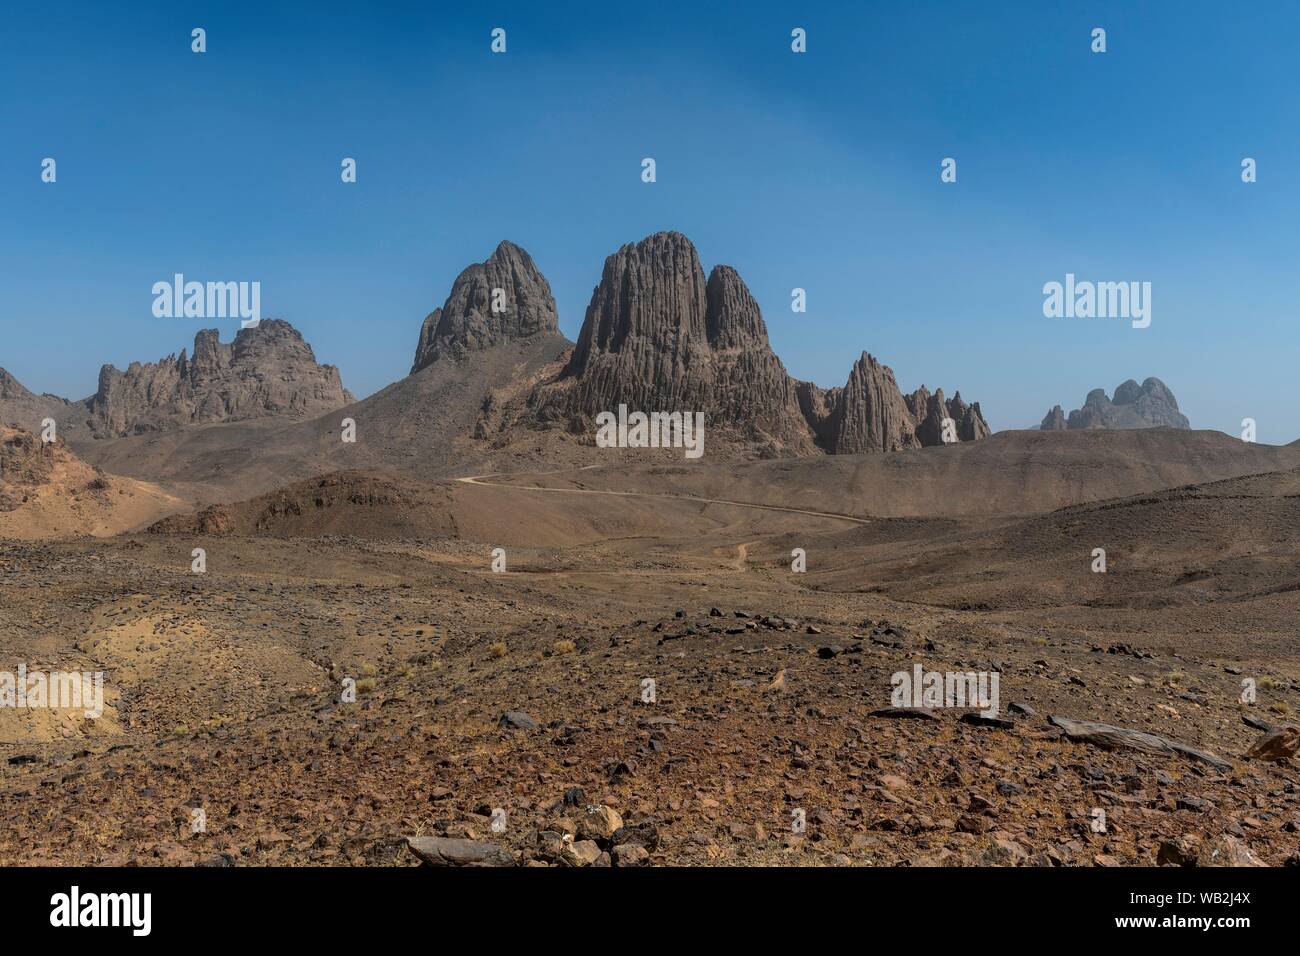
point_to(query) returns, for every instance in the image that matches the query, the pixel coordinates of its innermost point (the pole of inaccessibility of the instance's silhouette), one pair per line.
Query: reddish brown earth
(225, 686)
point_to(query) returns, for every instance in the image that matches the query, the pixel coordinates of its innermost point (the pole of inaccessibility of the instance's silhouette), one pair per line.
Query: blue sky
(819, 171)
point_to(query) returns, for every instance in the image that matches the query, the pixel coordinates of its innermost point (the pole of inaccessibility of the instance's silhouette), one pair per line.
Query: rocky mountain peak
(267, 371)
(732, 317)
(1054, 420)
(658, 336)
(871, 414)
(25, 409)
(650, 305)
(501, 299)
(1149, 405)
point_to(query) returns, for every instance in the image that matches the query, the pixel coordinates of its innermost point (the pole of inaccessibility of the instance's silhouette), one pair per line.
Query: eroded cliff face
(505, 298)
(658, 335)
(268, 371)
(491, 366)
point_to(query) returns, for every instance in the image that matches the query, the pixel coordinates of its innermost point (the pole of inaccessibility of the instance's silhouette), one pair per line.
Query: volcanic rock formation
(268, 371)
(495, 386)
(659, 336)
(502, 299)
(1149, 405)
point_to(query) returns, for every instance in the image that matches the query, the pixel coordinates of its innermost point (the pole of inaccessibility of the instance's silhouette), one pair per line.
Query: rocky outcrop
(493, 372)
(1149, 405)
(931, 412)
(362, 503)
(268, 371)
(658, 336)
(1054, 420)
(500, 300)
(870, 413)
(750, 386)
(27, 410)
(25, 461)
(11, 388)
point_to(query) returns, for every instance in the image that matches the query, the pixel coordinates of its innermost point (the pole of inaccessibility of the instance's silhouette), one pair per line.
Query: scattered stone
(983, 720)
(630, 854)
(517, 720)
(1005, 852)
(1227, 851)
(581, 853)
(919, 713)
(1121, 738)
(444, 851)
(1180, 851)
(1281, 744)
(599, 823)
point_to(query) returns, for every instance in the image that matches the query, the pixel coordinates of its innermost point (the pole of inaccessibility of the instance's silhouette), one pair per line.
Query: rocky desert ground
(521, 691)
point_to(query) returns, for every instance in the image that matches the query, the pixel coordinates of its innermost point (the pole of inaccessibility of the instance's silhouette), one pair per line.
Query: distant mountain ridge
(268, 371)
(495, 385)
(1149, 405)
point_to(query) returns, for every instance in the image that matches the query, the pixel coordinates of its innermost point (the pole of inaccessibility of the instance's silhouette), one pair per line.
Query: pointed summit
(10, 387)
(870, 414)
(501, 299)
(26, 410)
(649, 308)
(658, 336)
(733, 317)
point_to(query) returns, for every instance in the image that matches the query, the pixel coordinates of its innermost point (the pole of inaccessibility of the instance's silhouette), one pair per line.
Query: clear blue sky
(819, 171)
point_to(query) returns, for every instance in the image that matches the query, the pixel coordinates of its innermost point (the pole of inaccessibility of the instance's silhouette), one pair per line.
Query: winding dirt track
(478, 480)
